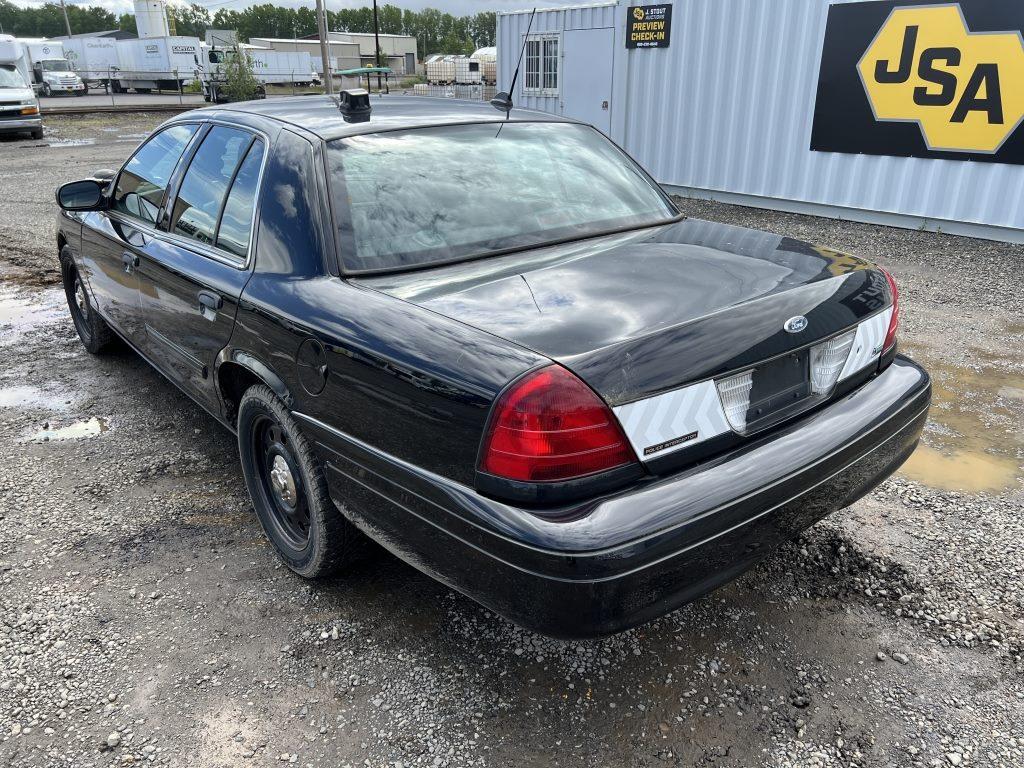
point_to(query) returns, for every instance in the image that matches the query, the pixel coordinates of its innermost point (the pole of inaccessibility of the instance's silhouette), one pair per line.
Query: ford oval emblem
(795, 324)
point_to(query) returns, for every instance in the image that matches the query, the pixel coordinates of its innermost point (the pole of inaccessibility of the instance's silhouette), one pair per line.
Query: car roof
(320, 114)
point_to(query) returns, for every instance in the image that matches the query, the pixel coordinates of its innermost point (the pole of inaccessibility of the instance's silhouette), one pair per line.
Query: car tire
(289, 490)
(37, 133)
(96, 335)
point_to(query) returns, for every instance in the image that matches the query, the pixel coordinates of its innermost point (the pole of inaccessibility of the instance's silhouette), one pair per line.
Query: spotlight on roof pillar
(354, 104)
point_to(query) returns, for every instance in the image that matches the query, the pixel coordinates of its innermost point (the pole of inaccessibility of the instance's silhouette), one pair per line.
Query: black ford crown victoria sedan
(495, 347)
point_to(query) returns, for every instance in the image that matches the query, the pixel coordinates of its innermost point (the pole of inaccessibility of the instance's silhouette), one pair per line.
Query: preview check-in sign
(648, 26)
(922, 79)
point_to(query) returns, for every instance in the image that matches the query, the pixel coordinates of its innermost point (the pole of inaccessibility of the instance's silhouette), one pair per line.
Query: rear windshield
(432, 195)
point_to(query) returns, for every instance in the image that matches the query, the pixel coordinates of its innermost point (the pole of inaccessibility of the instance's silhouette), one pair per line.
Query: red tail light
(551, 426)
(894, 322)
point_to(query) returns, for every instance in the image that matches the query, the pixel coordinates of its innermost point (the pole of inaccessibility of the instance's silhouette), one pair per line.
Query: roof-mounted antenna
(503, 101)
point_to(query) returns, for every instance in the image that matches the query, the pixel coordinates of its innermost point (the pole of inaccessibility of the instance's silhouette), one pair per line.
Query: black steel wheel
(281, 485)
(92, 329)
(288, 489)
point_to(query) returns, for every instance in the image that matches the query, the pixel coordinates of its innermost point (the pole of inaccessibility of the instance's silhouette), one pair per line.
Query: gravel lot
(144, 619)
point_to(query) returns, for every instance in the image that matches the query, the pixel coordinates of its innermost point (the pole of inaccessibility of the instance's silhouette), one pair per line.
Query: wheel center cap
(282, 482)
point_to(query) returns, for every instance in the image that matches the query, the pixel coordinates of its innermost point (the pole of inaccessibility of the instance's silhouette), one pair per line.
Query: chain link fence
(192, 87)
(474, 92)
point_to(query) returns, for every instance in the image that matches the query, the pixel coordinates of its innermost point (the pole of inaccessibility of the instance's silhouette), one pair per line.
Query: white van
(19, 108)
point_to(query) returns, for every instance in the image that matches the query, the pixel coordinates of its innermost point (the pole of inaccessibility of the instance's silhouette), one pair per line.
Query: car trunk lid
(651, 319)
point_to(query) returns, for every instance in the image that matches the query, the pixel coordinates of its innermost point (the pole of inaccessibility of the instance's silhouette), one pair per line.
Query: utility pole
(67, 24)
(325, 46)
(376, 38)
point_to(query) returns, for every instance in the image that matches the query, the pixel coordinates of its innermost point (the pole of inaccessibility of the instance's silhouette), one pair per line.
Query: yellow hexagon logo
(638, 14)
(963, 88)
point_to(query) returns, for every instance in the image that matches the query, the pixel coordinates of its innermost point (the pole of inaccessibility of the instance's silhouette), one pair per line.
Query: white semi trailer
(156, 63)
(92, 58)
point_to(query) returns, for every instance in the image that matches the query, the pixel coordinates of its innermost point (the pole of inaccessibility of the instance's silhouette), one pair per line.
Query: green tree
(190, 20)
(435, 31)
(126, 23)
(48, 20)
(239, 79)
(483, 28)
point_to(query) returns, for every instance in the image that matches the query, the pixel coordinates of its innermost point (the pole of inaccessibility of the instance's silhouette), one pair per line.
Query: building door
(587, 76)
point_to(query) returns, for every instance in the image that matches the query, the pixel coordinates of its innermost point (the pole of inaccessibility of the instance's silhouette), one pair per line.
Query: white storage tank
(468, 71)
(441, 70)
(488, 58)
(151, 18)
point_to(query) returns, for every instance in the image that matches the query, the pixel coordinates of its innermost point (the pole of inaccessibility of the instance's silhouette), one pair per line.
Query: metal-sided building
(798, 105)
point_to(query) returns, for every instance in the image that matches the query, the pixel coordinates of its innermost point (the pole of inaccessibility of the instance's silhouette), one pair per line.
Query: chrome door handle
(129, 261)
(210, 301)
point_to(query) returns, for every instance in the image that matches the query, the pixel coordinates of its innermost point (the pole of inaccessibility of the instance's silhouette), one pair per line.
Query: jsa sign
(920, 79)
(648, 26)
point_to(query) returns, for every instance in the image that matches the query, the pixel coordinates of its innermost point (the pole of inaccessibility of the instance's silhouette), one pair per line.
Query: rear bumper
(601, 566)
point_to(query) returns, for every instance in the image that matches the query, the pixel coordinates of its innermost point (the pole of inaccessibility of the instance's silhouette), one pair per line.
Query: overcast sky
(457, 7)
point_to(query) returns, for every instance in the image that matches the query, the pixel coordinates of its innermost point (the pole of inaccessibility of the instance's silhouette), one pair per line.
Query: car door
(112, 239)
(192, 273)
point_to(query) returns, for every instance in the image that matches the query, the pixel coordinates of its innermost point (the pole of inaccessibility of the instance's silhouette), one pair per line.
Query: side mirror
(84, 195)
(502, 102)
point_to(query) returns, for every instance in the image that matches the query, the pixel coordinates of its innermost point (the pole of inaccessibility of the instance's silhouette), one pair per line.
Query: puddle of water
(970, 471)
(19, 315)
(88, 428)
(1012, 393)
(70, 142)
(22, 396)
(974, 444)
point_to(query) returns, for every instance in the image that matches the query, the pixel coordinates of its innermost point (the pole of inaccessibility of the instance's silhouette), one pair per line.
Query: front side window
(541, 72)
(432, 195)
(143, 182)
(205, 186)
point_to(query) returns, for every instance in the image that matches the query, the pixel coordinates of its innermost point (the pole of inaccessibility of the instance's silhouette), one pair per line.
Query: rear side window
(142, 184)
(236, 221)
(205, 186)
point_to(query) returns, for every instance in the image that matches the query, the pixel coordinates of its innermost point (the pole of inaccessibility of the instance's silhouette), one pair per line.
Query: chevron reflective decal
(867, 347)
(674, 420)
